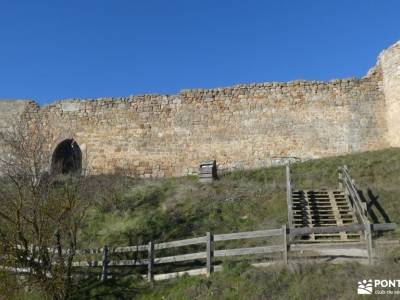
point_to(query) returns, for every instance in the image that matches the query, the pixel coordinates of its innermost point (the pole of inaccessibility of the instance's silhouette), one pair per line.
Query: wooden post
(104, 271)
(365, 210)
(210, 253)
(285, 245)
(368, 241)
(150, 266)
(289, 196)
(340, 180)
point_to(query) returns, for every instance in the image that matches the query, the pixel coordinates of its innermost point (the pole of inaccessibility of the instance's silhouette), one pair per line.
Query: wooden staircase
(319, 208)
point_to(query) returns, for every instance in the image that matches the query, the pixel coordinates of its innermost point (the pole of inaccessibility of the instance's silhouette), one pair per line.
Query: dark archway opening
(67, 158)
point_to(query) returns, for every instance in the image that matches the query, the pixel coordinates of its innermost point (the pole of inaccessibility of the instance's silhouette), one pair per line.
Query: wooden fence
(283, 247)
(210, 240)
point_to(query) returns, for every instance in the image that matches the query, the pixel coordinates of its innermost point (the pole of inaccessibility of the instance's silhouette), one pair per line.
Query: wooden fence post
(210, 253)
(340, 179)
(150, 266)
(368, 241)
(289, 196)
(285, 245)
(104, 271)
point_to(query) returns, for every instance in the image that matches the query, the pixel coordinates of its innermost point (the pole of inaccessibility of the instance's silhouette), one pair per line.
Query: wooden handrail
(349, 185)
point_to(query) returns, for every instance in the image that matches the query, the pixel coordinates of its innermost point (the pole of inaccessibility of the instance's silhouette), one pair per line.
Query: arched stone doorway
(67, 158)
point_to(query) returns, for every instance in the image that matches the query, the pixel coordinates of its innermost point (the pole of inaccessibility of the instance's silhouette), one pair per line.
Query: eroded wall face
(247, 126)
(389, 62)
(10, 112)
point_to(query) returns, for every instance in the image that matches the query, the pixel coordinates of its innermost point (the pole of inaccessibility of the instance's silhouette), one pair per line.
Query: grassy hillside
(133, 212)
(130, 212)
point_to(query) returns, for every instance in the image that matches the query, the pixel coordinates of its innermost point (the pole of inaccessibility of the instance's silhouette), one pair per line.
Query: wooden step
(321, 208)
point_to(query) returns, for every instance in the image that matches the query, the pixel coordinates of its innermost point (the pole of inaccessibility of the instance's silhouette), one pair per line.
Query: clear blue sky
(58, 49)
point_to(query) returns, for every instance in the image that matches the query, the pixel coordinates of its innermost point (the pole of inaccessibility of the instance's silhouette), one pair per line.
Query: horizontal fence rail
(181, 243)
(130, 249)
(182, 257)
(247, 251)
(247, 235)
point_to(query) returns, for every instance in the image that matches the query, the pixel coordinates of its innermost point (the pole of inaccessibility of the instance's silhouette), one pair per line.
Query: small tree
(40, 213)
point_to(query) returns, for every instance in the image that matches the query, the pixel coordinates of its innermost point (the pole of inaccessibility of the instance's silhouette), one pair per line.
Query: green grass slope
(127, 211)
(131, 212)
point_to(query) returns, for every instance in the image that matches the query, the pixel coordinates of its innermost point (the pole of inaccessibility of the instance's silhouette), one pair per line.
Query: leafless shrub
(40, 212)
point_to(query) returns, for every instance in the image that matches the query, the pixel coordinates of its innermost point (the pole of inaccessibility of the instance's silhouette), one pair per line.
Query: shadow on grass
(374, 208)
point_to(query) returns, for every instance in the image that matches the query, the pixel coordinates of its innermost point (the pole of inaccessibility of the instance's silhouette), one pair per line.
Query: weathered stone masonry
(245, 126)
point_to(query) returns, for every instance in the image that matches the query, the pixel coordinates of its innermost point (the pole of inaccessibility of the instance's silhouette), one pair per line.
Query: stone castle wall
(10, 111)
(245, 126)
(389, 62)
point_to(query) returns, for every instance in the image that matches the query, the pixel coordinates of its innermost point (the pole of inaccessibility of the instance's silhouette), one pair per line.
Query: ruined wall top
(77, 104)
